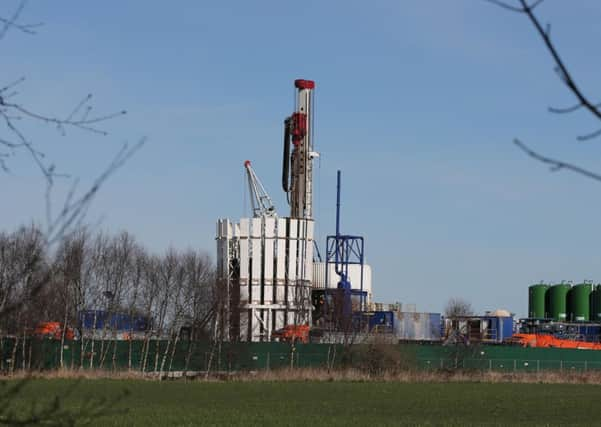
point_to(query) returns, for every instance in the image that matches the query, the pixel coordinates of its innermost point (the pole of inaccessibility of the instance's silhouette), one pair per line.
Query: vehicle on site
(292, 333)
(53, 330)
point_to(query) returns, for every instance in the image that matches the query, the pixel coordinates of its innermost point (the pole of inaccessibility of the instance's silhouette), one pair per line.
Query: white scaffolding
(266, 265)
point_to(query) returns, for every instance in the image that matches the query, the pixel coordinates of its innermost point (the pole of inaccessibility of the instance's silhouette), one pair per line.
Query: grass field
(150, 403)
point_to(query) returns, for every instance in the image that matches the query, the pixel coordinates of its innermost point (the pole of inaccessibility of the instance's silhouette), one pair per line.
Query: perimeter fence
(188, 357)
(510, 365)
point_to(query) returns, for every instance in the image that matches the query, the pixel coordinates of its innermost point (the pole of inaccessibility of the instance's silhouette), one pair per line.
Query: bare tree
(23, 273)
(205, 300)
(458, 307)
(23, 269)
(583, 100)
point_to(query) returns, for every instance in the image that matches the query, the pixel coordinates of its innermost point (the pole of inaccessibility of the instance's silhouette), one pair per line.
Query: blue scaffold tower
(343, 250)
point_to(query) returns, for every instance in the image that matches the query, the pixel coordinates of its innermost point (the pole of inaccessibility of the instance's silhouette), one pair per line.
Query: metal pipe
(338, 240)
(338, 173)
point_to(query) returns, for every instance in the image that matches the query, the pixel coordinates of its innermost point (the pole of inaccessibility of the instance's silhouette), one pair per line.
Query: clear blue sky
(417, 102)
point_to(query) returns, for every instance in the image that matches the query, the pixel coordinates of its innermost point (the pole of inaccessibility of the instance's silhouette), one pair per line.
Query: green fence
(189, 356)
(506, 358)
(160, 355)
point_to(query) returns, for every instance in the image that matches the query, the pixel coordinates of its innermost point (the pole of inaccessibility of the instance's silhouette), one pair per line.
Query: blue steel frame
(344, 250)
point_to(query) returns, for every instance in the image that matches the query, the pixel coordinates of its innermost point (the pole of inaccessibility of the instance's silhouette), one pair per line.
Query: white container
(319, 277)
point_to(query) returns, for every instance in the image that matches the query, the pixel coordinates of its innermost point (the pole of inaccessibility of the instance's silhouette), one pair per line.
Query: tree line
(112, 273)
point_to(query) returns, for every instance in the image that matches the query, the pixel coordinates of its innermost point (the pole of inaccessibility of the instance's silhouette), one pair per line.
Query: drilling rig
(297, 170)
(265, 263)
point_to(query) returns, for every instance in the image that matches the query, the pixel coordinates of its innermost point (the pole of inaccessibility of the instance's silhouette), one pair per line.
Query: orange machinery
(53, 330)
(292, 333)
(547, 341)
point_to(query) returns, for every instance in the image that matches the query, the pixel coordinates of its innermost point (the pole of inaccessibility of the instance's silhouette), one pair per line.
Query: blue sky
(417, 102)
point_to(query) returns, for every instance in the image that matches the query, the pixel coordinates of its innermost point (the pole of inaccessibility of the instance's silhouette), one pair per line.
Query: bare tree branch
(458, 307)
(566, 77)
(589, 136)
(560, 65)
(571, 109)
(12, 22)
(506, 6)
(84, 123)
(74, 210)
(556, 165)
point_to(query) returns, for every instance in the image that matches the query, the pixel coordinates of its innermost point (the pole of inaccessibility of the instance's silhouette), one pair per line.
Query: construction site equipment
(472, 329)
(89, 320)
(53, 330)
(342, 251)
(549, 341)
(297, 168)
(262, 205)
(354, 276)
(265, 263)
(292, 333)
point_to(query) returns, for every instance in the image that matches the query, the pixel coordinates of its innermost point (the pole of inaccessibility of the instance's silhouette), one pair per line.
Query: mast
(297, 171)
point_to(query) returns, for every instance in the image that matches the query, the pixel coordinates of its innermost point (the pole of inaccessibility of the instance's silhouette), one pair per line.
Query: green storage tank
(579, 302)
(596, 304)
(558, 301)
(537, 296)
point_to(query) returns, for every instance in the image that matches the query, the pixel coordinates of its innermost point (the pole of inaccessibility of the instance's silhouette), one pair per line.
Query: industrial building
(269, 266)
(565, 311)
(265, 263)
(276, 284)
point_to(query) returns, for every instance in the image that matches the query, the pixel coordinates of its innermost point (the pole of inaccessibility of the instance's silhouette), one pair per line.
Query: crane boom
(297, 171)
(261, 203)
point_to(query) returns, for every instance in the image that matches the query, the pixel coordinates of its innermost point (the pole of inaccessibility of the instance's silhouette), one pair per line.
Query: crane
(297, 170)
(261, 203)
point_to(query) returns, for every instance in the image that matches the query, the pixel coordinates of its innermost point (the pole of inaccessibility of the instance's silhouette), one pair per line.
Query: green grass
(322, 403)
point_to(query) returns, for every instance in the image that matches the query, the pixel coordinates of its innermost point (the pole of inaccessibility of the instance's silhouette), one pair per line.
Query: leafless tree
(16, 118)
(203, 297)
(458, 307)
(24, 273)
(583, 101)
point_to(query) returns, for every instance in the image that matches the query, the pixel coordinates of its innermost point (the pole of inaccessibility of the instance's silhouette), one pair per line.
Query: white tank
(501, 313)
(319, 277)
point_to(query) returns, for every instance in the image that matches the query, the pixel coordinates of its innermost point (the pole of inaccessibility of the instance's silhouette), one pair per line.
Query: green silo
(596, 304)
(537, 295)
(557, 301)
(579, 302)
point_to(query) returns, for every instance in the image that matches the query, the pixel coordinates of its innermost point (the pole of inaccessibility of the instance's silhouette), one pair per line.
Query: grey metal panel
(280, 273)
(416, 326)
(292, 256)
(244, 251)
(257, 258)
(269, 249)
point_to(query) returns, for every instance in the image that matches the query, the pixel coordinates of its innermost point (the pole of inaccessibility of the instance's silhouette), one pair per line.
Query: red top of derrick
(246, 163)
(304, 84)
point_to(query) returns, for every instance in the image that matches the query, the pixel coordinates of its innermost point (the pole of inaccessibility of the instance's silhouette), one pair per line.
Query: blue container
(436, 325)
(588, 332)
(101, 319)
(499, 328)
(92, 319)
(382, 320)
(506, 327)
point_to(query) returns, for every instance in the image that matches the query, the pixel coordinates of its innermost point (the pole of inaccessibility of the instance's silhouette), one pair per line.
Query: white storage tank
(319, 277)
